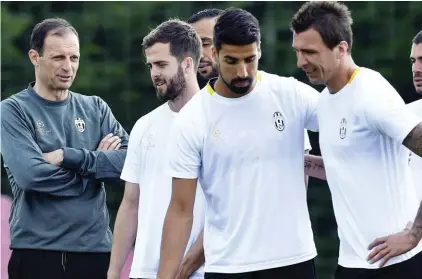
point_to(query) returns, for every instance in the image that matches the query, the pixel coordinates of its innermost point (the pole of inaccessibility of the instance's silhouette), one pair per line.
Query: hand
(55, 157)
(109, 142)
(183, 272)
(392, 245)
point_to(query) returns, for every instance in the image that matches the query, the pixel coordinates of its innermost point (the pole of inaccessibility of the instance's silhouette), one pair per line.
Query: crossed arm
(36, 171)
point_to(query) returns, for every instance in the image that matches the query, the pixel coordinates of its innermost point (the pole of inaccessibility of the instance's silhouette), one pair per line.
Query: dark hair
(208, 13)
(183, 40)
(236, 27)
(332, 20)
(40, 31)
(418, 38)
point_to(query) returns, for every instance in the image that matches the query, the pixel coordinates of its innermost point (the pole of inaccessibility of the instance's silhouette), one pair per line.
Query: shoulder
(145, 121)
(277, 82)
(15, 102)
(287, 86)
(371, 80)
(78, 97)
(416, 107)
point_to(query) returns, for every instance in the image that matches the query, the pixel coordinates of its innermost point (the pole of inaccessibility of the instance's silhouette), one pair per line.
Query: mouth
(417, 80)
(204, 66)
(243, 83)
(64, 78)
(159, 83)
(309, 71)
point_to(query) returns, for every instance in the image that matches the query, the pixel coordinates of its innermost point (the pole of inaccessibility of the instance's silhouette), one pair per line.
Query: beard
(236, 89)
(203, 80)
(175, 87)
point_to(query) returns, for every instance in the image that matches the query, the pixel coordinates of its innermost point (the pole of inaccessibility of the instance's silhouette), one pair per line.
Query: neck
(342, 75)
(48, 94)
(178, 103)
(221, 88)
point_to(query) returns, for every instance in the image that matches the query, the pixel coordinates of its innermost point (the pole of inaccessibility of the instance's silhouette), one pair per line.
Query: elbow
(182, 210)
(27, 181)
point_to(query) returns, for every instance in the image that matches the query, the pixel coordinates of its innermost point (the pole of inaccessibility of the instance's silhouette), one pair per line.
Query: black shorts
(305, 270)
(39, 264)
(410, 269)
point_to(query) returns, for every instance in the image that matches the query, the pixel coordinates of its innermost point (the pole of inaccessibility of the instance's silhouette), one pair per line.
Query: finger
(377, 249)
(103, 141)
(109, 142)
(377, 242)
(114, 144)
(381, 254)
(386, 258)
(118, 146)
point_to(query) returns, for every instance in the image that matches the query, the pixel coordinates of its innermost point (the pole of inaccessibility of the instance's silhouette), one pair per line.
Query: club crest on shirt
(343, 128)
(80, 124)
(41, 128)
(278, 120)
(148, 140)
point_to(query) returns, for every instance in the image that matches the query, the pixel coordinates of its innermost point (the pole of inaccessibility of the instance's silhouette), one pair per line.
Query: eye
(412, 61)
(230, 61)
(250, 60)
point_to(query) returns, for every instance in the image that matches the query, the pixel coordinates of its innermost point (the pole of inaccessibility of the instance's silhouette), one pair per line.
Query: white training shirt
(144, 165)
(248, 154)
(362, 128)
(415, 160)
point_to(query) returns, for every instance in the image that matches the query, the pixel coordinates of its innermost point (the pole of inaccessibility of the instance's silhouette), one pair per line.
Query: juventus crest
(343, 128)
(80, 124)
(278, 120)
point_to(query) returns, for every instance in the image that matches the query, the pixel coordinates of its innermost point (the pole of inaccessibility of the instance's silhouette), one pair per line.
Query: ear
(34, 57)
(343, 46)
(187, 65)
(214, 53)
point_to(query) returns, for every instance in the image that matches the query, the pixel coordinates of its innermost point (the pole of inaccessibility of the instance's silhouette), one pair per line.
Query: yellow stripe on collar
(353, 75)
(211, 91)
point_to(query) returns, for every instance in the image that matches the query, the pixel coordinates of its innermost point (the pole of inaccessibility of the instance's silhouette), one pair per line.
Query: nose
(67, 65)
(154, 73)
(301, 60)
(242, 71)
(417, 66)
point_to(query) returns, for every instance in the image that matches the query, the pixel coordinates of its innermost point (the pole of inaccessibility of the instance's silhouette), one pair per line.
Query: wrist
(415, 235)
(61, 156)
(72, 158)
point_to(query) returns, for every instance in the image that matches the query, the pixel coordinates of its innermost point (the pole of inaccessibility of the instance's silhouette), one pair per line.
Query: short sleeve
(307, 142)
(387, 113)
(309, 98)
(132, 163)
(184, 148)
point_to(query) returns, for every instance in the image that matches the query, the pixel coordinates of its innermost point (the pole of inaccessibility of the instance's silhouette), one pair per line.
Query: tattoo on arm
(413, 141)
(416, 230)
(310, 165)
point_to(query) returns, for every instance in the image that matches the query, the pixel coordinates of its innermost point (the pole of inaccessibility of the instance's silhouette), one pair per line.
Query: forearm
(124, 235)
(314, 166)
(414, 140)
(416, 230)
(195, 257)
(100, 165)
(176, 231)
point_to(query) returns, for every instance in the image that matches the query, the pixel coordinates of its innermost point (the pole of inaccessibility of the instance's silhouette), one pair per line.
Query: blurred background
(112, 66)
